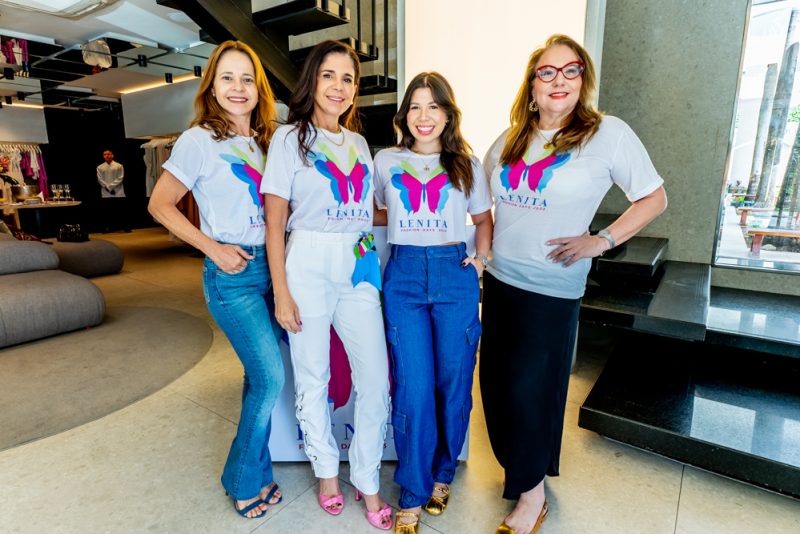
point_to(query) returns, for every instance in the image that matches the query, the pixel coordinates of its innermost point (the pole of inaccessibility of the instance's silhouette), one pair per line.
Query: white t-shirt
(224, 177)
(424, 207)
(332, 191)
(546, 196)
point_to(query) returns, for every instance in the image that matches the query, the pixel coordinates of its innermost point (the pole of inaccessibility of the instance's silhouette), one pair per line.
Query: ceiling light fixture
(177, 79)
(168, 77)
(60, 8)
(198, 71)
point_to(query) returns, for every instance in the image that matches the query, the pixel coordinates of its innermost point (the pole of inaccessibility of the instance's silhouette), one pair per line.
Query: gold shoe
(436, 505)
(403, 528)
(505, 529)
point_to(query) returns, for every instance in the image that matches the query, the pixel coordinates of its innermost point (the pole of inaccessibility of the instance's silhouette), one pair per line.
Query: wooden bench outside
(744, 212)
(759, 233)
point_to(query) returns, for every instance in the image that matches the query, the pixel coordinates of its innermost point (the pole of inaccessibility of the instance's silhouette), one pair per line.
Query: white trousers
(319, 266)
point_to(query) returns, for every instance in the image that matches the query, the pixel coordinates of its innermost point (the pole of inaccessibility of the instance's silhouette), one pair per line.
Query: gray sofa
(38, 300)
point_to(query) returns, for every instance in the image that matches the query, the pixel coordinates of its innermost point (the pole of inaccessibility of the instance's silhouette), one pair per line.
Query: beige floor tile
(712, 504)
(153, 466)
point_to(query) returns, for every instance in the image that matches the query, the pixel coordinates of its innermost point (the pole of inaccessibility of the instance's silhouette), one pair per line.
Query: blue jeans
(433, 328)
(241, 304)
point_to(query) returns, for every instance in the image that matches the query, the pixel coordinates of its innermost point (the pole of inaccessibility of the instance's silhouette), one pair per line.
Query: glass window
(760, 213)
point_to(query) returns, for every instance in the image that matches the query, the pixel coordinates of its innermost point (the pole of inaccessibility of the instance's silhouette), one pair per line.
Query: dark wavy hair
(301, 104)
(582, 123)
(209, 114)
(455, 156)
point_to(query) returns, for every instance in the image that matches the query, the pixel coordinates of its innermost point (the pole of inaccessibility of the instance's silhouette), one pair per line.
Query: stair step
(765, 322)
(640, 256)
(719, 408)
(302, 16)
(678, 307)
(376, 84)
(366, 52)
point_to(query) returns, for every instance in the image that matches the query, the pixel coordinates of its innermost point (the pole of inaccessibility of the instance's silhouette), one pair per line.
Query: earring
(533, 107)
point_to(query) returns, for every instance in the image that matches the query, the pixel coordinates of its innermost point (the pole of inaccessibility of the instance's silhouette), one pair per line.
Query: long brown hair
(301, 104)
(455, 156)
(209, 114)
(582, 123)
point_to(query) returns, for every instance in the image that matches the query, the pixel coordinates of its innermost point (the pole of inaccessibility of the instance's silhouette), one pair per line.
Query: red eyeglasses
(548, 73)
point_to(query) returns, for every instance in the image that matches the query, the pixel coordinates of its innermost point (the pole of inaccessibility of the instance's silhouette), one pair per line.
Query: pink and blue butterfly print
(244, 170)
(414, 192)
(538, 174)
(354, 185)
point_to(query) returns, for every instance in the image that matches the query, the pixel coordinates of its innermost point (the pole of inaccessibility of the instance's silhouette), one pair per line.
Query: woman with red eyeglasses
(549, 172)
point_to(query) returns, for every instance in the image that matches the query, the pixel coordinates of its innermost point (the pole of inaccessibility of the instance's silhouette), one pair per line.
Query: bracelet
(483, 259)
(605, 234)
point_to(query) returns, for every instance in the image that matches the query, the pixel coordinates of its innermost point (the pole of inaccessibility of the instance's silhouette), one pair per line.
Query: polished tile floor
(154, 466)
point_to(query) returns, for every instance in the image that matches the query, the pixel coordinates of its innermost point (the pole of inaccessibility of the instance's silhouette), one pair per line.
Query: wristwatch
(483, 259)
(605, 234)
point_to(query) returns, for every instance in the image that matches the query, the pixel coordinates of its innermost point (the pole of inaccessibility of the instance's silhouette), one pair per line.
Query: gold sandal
(436, 504)
(505, 529)
(406, 528)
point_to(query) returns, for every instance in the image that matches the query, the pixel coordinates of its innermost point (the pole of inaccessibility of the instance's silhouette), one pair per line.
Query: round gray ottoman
(90, 258)
(44, 303)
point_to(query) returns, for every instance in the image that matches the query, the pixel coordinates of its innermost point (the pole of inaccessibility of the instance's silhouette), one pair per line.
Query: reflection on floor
(154, 466)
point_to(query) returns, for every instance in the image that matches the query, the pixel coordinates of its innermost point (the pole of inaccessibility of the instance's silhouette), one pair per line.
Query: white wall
(22, 125)
(482, 49)
(164, 110)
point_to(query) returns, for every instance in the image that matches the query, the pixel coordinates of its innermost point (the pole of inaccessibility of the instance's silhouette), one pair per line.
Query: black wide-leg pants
(525, 359)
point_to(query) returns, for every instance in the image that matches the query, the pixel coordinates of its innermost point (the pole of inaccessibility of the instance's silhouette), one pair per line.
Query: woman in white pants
(320, 171)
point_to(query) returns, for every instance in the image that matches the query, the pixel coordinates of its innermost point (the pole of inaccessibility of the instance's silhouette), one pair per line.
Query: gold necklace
(425, 166)
(324, 133)
(249, 139)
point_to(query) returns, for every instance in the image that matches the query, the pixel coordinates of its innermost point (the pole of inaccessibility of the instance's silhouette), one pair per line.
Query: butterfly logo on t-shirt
(413, 191)
(244, 169)
(538, 174)
(354, 184)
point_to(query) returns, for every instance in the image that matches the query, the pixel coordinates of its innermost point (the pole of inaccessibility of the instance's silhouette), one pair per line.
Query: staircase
(268, 32)
(707, 376)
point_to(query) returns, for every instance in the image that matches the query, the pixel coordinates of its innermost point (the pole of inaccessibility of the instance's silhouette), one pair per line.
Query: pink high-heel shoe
(329, 503)
(376, 519)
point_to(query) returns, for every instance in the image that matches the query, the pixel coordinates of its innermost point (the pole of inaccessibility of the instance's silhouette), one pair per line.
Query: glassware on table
(67, 196)
(59, 192)
(53, 191)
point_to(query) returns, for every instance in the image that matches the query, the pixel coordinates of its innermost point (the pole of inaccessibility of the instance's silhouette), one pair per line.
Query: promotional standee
(286, 440)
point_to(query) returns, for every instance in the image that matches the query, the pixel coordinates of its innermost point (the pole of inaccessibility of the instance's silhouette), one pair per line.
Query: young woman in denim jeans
(429, 182)
(220, 160)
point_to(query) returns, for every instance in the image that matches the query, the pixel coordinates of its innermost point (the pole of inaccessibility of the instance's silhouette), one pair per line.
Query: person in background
(430, 182)
(110, 175)
(221, 160)
(549, 172)
(319, 187)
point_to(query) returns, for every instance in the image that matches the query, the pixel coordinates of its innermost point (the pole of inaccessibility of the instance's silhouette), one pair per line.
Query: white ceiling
(166, 36)
(141, 21)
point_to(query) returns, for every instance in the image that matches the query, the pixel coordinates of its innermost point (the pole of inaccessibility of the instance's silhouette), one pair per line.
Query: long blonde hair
(582, 123)
(209, 114)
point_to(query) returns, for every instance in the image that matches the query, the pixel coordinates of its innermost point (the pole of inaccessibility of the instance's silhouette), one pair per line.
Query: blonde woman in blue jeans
(429, 182)
(221, 160)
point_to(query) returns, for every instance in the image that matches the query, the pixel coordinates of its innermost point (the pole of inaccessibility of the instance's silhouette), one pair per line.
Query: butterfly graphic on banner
(340, 385)
(413, 191)
(345, 186)
(244, 169)
(537, 174)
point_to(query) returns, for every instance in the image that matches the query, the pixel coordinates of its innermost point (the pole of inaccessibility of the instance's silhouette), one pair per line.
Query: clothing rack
(26, 164)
